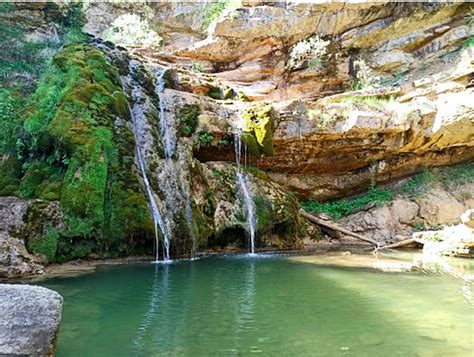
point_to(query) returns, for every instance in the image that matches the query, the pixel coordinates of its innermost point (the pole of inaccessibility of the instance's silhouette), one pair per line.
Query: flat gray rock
(29, 320)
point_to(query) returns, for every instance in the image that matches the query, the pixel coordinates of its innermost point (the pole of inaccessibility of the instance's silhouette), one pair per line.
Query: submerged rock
(30, 320)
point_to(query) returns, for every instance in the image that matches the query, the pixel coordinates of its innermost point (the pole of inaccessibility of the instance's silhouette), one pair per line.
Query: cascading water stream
(138, 118)
(168, 133)
(243, 184)
(167, 129)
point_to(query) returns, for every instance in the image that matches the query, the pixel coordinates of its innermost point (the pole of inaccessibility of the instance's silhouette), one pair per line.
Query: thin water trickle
(167, 127)
(243, 184)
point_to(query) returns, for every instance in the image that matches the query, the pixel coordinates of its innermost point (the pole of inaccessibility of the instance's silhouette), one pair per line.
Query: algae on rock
(258, 129)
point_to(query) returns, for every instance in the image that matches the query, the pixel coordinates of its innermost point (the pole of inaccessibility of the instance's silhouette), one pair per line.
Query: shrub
(344, 207)
(307, 53)
(131, 30)
(213, 11)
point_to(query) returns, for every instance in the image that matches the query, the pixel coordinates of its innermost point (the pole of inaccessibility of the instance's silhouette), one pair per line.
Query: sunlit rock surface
(30, 320)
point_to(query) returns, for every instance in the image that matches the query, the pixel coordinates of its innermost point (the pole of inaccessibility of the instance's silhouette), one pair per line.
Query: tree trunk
(335, 227)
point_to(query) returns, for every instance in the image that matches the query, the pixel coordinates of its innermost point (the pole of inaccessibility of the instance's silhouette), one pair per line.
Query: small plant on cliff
(323, 119)
(188, 119)
(469, 18)
(369, 101)
(197, 67)
(364, 77)
(309, 52)
(205, 138)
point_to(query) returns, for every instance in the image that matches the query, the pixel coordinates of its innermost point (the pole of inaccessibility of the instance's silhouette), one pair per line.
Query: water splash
(243, 184)
(138, 122)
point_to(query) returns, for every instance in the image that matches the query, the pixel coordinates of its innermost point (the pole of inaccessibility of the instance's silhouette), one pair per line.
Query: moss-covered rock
(259, 124)
(79, 149)
(277, 223)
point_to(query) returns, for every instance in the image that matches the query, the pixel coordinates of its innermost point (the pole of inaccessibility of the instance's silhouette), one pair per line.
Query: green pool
(268, 305)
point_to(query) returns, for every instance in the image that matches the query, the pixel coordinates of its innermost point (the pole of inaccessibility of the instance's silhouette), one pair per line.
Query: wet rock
(276, 209)
(30, 320)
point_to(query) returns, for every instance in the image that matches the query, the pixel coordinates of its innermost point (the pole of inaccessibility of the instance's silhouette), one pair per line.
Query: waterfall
(177, 185)
(167, 127)
(138, 120)
(243, 184)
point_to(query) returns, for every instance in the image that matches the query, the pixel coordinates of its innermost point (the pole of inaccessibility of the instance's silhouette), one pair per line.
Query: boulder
(30, 320)
(397, 220)
(15, 261)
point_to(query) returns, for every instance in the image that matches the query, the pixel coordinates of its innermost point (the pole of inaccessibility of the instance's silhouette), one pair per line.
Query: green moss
(46, 244)
(86, 156)
(37, 177)
(10, 172)
(264, 212)
(259, 123)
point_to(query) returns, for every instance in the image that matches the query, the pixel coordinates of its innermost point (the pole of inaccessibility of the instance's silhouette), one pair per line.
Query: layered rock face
(30, 320)
(411, 63)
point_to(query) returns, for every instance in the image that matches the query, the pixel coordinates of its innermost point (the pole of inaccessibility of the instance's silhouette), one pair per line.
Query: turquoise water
(233, 306)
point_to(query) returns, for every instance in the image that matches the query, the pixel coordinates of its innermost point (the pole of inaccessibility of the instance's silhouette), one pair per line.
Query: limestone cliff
(143, 102)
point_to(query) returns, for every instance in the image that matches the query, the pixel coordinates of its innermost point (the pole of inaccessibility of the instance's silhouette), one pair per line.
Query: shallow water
(270, 305)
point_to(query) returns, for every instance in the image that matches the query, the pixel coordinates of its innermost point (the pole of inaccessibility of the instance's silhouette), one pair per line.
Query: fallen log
(398, 244)
(335, 227)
